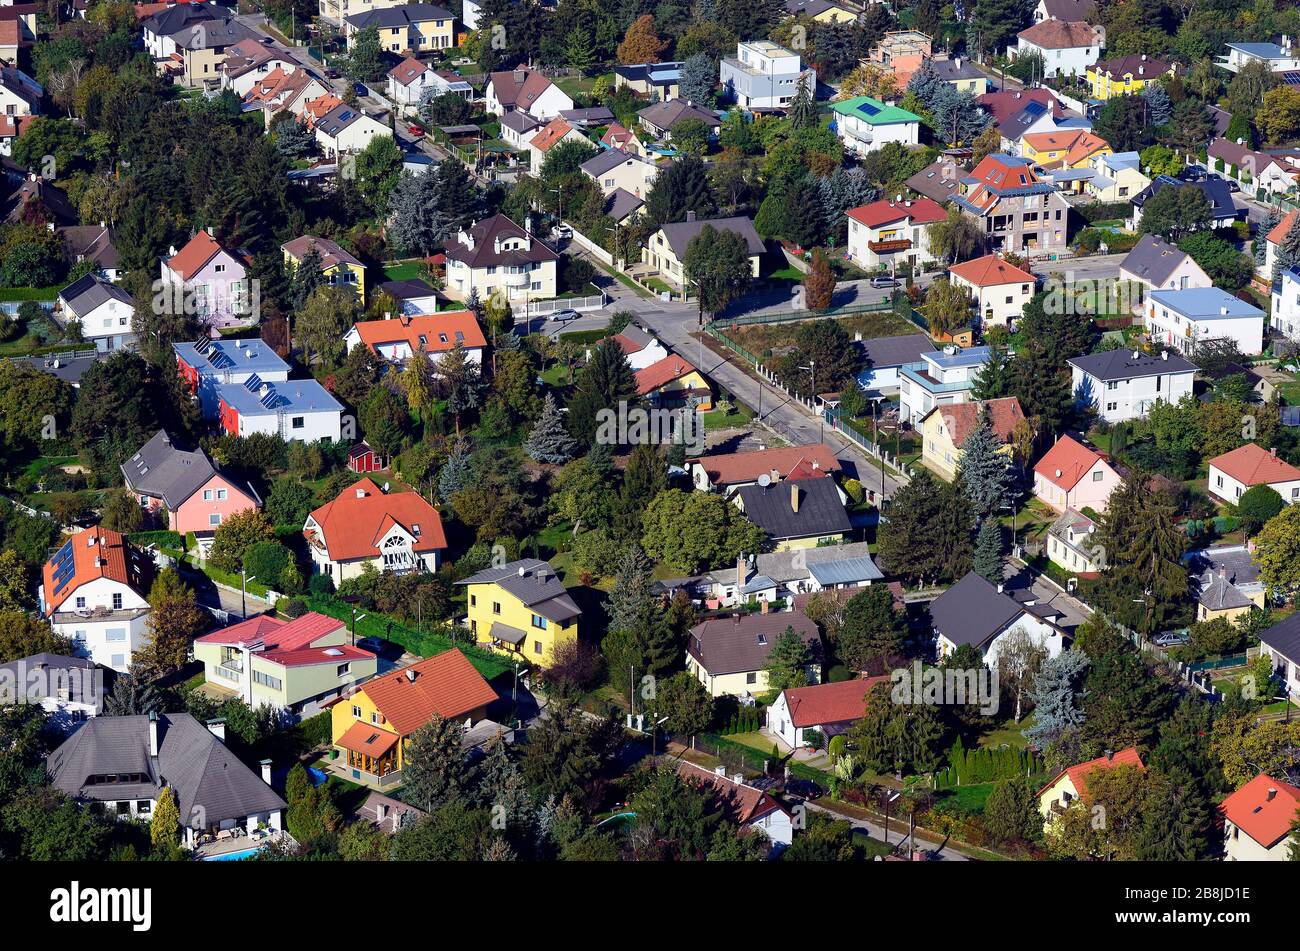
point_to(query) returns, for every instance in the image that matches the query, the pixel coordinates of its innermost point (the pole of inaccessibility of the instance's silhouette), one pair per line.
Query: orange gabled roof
(1086, 144)
(320, 107)
(1045, 141)
(990, 271)
(290, 643)
(550, 134)
(830, 702)
(91, 555)
(446, 685)
(1282, 227)
(742, 803)
(671, 367)
(198, 251)
(428, 333)
(1078, 773)
(616, 136)
(921, 211)
(732, 467)
(1067, 462)
(1251, 465)
(1266, 820)
(962, 418)
(351, 524)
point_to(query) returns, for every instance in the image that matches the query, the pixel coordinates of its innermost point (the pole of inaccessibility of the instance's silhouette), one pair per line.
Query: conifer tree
(549, 441)
(984, 471)
(988, 551)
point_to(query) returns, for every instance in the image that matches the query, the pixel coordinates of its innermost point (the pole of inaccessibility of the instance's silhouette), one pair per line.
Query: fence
(591, 247)
(536, 308)
(790, 316)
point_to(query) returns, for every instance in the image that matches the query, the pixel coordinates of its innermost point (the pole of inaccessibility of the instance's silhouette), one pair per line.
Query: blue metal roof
(1205, 303)
(209, 357)
(291, 396)
(847, 571)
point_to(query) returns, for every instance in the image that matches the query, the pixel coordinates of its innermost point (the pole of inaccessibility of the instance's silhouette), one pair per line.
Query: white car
(563, 315)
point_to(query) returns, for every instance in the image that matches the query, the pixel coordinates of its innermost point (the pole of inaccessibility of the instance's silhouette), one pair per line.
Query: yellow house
(1126, 75)
(1228, 584)
(1117, 177)
(521, 609)
(944, 431)
(1067, 148)
(729, 655)
(672, 382)
(372, 726)
(408, 28)
(665, 250)
(1071, 783)
(339, 268)
(823, 11)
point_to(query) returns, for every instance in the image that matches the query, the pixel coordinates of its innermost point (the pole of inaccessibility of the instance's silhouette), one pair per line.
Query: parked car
(360, 90)
(332, 73)
(882, 280)
(804, 789)
(562, 231)
(416, 130)
(1171, 639)
(563, 315)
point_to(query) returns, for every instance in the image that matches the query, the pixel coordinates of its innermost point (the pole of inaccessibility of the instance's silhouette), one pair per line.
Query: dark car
(804, 789)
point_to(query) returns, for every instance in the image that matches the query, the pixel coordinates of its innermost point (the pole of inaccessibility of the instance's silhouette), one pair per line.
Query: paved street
(897, 832)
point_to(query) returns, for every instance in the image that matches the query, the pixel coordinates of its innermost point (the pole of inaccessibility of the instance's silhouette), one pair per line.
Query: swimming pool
(317, 775)
(234, 856)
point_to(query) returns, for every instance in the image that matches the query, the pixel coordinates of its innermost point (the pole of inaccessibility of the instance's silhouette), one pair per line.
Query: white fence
(538, 308)
(591, 247)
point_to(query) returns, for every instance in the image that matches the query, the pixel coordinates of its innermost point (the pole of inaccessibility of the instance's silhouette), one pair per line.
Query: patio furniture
(225, 834)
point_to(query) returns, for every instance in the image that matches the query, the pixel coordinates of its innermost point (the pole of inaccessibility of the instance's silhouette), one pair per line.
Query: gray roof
(604, 160)
(784, 566)
(1284, 637)
(519, 121)
(740, 643)
(1153, 259)
(973, 611)
(213, 34)
(1124, 365)
(592, 115)
(68, 366)
(952, 69)
(845, 571)
(771, 508)
(390, 17)
(895, 351)
(679, 234)
(1216, 193)
(535, 583)
(1225, 576)
(665, 115)
(932, 182)
(1070, 10)
(87, 293)
(198, 767)
(40, 676)
(166, 471)
(622, 203)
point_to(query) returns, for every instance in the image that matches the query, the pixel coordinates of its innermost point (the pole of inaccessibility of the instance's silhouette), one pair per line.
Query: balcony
(892, 246)
(230, 670)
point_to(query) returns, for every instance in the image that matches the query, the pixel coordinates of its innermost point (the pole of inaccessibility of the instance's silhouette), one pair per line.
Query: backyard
(765, 339)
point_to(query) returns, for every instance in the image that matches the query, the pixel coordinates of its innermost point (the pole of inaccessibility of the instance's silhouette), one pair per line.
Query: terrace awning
(367, 740)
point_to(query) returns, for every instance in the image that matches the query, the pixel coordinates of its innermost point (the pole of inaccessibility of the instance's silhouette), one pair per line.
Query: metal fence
(535, 308)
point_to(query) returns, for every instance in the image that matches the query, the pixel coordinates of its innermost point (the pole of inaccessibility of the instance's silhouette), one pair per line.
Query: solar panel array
(201, 346)
(252, 383)
(271, 399)
(63, 567)
(220, 359)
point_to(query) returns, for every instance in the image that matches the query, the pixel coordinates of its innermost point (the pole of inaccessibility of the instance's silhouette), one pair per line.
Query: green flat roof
(873, 111)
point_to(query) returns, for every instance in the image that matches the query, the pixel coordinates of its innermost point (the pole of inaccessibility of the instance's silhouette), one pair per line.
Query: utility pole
(812, 396)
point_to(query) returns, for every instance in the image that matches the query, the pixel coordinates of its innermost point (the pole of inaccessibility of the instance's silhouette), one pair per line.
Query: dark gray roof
(771, 508)
(895, 351)
(519, 121)
(1153, 259)
(484, 253)
(390, 17)
(94, 243)
(214, 34)
(1070, 10)
(593, 115)
(535, 583)
(1124, 365)
(679, 234)
(69, 366)
(198, 767)
(665, 115)
(1216, 193)
(91, 291)
(934, 183)
(41, 676)
(167, 471)
(783, 566)
(972, 611)
(409, 289)
(622, 203)
(741, 643)
(603, 161)
(182, 15)
(952, 69)
(1284, 637)
(1224, 576)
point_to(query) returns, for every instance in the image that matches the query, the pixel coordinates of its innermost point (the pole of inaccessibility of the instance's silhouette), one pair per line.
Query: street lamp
(887, 803)
(875, 439)
(352, 600)
(244, 579)
(654, 732)
(812, 397)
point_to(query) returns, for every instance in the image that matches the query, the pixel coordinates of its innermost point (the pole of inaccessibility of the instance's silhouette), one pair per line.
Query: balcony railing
(231, 670)
(890, 247)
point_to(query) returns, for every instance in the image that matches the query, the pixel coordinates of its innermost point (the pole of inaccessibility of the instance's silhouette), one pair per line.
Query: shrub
(853, 488)
(267, 561)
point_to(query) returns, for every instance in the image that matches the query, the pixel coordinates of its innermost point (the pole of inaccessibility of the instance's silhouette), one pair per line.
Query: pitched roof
(784, 566)
(1129, 364)
(484, 253)
(518, 88)
(973, 610)
(92, 243)
(289, 643)
(1282, 227)
(198, 251)
(740, 802)
(895, 351)
(922, 211)
(873, 111)
(621, 203)
(91, 291)
(661, 373)
(427, 333)
(796, 508)
(409, 70)
(606, 159)
(1078, 773)
(1137, 65)
(446, 685)
(840, 702)
(1216, 193)
(962, 418)
(732, 467)
(1251, 465)
(1004, 104)
(536, 585)
(665, 115)
(1069, 9)
(740, 643)
(354, 523)
(679, 234)
(1062, 34)
(331, 254)
(939, 180)
(389, 18)
(1284, 637)
(1264, 809)
(551, 134)
(90, 555)
(1067, 462)
(616, 136)
(991, 271)
(164, 470)
(1153, 259)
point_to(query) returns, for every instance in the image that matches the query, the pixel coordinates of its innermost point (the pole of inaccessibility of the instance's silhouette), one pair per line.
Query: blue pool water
(317, 776)
(234, 856)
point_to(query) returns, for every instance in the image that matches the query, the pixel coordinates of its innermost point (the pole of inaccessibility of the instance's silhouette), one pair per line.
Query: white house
(981, 614)
(93, 591)
(1156, 265)
(363, 525)
(1123, 384)
(1282, 643)
(1285, 312)
(1068, 47)
(865, 124)
(434, 335)
(998, 289)
(749, 807)
(20, 95)
(1232, 473)
(548, 137)
(892, 232)
(346, 129)
(763, 75)
(102, 309)
(642, 349)
(1185, 318)
(1282, 58)
(70, 690)
(938, 379)
(525, 90)
(251, 61)
(1257, 821)
(300, 410)
(411, 80)
(829, 709)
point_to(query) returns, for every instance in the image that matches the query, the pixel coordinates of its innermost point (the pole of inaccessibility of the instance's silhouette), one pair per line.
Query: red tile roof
(431, 327)
(732, 467)
(1067, 462)
(962, 418)
(96, 553)
(550, 134)
(1078, 773)
(1282, 227)
(1003, 105)
(408, 70)
(190, 259)
(671, 367)
(616, 136)
(290, 643)
(1265, 820)
(830, 703)
(518, 87)
(446, 685)
(742, 803)
(362, 737)
(990, 271)
(355, 522)
(1251, 465)
(1062, 34)
(921, 211)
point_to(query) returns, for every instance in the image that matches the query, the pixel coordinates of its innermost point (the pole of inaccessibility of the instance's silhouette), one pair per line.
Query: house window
(207, 495)
(473, 600)
(115, 634)
(496, 607)
(221, 495)
(343, 670)
(1097, 476)
(539, 622)
(81, 602)
(117, 602)
(537, 647)
(298, 422)
(751, 677)
(214, 519)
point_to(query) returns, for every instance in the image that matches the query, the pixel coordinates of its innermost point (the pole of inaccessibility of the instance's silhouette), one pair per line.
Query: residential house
(1187, 318)
(498, 255)
(93, 243)
(124, 763)
(888, 233)
(590, 117)
(517, 128)
(1282, 643)
(1123, 384)
(11, 127)
(396, 532)
(1017, 210)
(828, 710)
(945, 429)
(886, 357)
(209, 280)
(1068, 47)
(900, 53)
(941, 378)
(659, 82)
(1035, 118)
(998, 289)
(182, 489)
(338, 267)
(1232, 473)
(640, 348)
(340, 10)
(68, 365)
(978, 613)
(1283, 58)
(1226, 581)
(1071, 783)
(70, 690)
(796, 512)
(729, 654)
(661, 118)
(346, 130)
(750, 808)
(1155, 264)
(1003, 106)
(665, 250)
(617, 137)
(1074, 476)
(287, 91)
(1126, 75)
(412, 80)
(387, 814)
(199, 50)
(102, 310)
(409, 28)
(865, 124)
(160, 28)
(1223, 212)
(372, 727)
(1258, 820)
(960, 73)
(20, 95)
(1253, 171)
(1116, 177)
(93, 591)
(250, 61)
(939, 181)
(729, 472)
(672, 383)
(1284, 315)
(34, 198)
(614, 169)
(207, 365)
(785, 575)
(413, 297)
(763, 75)
(1272, 241)
(548, 137)
(12, 40)
(1066, 155)
(823, 11)
(434, 335)
(522, 610)
(300, 410)
(524, 90)
(1071, 544)
(1069, 10)
(294, 667)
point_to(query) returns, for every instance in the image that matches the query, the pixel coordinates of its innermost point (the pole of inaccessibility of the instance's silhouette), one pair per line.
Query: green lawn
(725, 416)
(1290, 392)
(405, 271)
(969, 799)
(30, 293)
(577, 86)
(1009, 733)
(754, 740)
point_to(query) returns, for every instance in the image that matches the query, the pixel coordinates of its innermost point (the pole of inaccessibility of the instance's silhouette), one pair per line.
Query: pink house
(1072, 475)
(207, 279)
(183, 488)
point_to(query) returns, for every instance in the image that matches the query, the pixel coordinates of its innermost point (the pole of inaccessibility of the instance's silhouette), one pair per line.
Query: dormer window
(415, 529)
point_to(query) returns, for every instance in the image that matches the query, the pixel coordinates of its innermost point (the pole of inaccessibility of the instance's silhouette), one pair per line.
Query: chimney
(958, 62)
(217, 727)
(1110, 755)
(153, 734)
(1000, 587)
(361, 493)
(1272, 450)
(735, 619)
(740, 570)
(1272, 793)
(410, 674)
(1017, 95)
(794, 498)
(266, 770)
